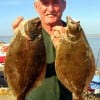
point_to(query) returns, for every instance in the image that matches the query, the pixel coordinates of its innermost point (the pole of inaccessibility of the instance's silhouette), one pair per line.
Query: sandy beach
(6, 94)
(7, 97)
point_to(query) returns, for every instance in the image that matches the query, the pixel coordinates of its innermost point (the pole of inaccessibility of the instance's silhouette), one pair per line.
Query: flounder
(25, 60)
(74, 63)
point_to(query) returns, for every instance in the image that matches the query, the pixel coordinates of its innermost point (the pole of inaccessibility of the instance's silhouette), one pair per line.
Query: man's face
(50, 11)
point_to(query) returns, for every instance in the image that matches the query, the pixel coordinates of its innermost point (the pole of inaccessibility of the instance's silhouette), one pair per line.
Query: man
(50, 13)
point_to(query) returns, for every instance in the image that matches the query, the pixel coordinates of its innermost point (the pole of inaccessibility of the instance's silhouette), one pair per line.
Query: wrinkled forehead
(49, 0)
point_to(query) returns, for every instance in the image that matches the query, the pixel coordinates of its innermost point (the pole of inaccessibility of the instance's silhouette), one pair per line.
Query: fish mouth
(67, 37)
(58, 36)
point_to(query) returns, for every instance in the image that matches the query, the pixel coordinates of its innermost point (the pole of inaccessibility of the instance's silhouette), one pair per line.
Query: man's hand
(58, 33)
(18, 24)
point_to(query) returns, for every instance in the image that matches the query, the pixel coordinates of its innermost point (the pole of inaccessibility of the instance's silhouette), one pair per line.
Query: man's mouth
(51, 15)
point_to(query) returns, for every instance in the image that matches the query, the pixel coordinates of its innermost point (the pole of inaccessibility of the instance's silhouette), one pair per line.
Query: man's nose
(50, 7)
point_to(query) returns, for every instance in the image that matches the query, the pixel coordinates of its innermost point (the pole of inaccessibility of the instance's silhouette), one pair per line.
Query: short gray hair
(39, 0)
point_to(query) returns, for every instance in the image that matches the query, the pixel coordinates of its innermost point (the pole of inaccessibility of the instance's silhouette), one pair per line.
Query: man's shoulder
(32, 24)
(34, 20)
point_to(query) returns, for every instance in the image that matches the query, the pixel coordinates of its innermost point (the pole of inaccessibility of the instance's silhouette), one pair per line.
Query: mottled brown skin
(75, 65)
(25, 60)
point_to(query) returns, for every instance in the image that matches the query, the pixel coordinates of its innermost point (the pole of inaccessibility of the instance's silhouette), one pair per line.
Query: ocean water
(95, 45)
(93, 41)
(5, 39)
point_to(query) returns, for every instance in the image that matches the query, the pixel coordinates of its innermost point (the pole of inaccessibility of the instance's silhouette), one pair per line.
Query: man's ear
(35, 6)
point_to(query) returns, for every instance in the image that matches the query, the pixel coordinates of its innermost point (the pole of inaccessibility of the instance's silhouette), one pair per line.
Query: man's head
(50, 11)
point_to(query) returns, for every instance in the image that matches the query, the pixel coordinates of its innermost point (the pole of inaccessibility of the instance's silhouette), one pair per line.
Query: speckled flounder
(25, 59)
(74, 64)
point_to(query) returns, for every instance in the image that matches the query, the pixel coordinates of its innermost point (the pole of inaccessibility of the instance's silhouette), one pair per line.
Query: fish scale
(75, 63)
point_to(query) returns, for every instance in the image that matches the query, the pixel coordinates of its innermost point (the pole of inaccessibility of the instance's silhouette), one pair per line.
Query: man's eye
(56, 2)
(45, 2)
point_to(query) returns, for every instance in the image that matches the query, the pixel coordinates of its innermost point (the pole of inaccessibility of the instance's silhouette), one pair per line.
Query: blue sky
(87, 11)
